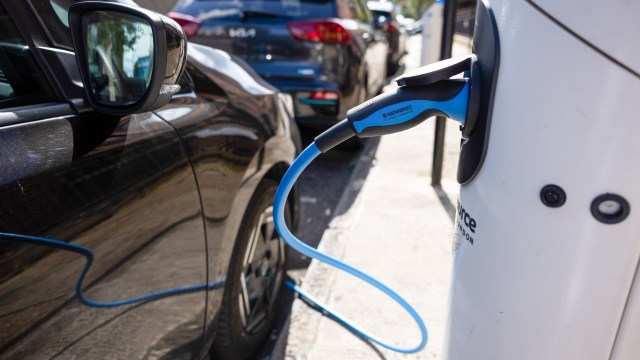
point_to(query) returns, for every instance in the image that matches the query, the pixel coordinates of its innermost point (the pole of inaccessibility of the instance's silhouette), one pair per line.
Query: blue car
(329, 55)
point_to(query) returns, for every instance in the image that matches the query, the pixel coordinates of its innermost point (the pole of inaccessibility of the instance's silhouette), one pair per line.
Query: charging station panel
(536, 278)
(612, 26)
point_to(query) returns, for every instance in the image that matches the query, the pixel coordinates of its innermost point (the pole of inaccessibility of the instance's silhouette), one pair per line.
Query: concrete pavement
(391, 223)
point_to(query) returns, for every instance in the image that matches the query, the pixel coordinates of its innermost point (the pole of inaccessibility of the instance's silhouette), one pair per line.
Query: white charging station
(431, 39)
(553, 273)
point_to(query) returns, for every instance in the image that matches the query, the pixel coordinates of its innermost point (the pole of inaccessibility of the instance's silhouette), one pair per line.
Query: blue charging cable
(425, 92)
(297, 167)
(303, 160)
(88, 255)
(420, 96)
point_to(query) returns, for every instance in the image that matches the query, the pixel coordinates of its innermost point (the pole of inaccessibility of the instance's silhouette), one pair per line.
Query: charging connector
(422, 93)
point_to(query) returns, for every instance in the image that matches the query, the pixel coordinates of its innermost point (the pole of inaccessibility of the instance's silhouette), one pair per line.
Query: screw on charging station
(553, 195)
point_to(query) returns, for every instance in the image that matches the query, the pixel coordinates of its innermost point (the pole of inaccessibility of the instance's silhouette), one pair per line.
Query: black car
(135, 216)
(329, 55)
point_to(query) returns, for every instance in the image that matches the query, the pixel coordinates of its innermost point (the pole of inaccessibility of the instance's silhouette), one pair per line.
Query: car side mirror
(130, 58)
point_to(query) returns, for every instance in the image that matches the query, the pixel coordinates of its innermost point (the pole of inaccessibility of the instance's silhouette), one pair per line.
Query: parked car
(328, 54)
(396, 34)
(408, 24)
(172, 202)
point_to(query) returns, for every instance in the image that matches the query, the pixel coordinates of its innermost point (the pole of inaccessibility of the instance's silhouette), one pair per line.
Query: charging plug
(421, 93)
(406, 107)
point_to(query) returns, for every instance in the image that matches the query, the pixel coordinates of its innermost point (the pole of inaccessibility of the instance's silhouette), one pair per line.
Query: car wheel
(254, 282)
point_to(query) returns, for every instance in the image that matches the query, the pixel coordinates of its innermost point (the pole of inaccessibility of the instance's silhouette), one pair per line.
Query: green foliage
(414, 8)
(113, 33)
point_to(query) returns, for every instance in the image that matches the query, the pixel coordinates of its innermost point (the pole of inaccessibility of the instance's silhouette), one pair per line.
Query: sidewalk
(396, 227)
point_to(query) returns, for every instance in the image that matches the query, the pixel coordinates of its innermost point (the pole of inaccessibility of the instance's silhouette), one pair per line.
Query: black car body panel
(259, 32)
(158, 197)
(95, 201)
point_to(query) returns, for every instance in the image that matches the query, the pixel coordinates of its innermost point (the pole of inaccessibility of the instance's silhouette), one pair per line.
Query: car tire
(255, 281)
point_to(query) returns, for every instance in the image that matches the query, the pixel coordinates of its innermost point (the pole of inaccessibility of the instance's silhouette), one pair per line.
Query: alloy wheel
(262, 273)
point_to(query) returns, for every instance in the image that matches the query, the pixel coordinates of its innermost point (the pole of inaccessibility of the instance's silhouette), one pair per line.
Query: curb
(304, 321)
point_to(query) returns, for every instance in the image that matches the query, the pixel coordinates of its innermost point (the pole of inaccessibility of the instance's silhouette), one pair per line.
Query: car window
(21, 81)
(54, 16)
(385, 14)
(257, 10)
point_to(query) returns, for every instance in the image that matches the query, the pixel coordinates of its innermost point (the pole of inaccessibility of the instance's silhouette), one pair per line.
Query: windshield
(260, 10)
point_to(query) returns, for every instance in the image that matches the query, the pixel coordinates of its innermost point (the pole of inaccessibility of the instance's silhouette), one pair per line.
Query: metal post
(448, 28)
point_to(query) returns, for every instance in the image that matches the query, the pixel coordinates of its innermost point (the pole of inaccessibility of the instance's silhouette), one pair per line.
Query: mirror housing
(113, 82)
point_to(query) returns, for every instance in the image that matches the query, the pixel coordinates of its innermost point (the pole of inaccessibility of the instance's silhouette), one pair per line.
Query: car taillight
(391, 27)
(325, 95)
(324, 31)
(189, 24)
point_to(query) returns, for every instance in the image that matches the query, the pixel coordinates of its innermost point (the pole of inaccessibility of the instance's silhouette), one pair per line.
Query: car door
(120, 187)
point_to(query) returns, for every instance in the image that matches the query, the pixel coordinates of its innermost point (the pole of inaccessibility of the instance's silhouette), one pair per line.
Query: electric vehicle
(163, 189)
(328, 54)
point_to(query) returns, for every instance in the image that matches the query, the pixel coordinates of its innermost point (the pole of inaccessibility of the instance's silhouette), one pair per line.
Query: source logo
(466, 228)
